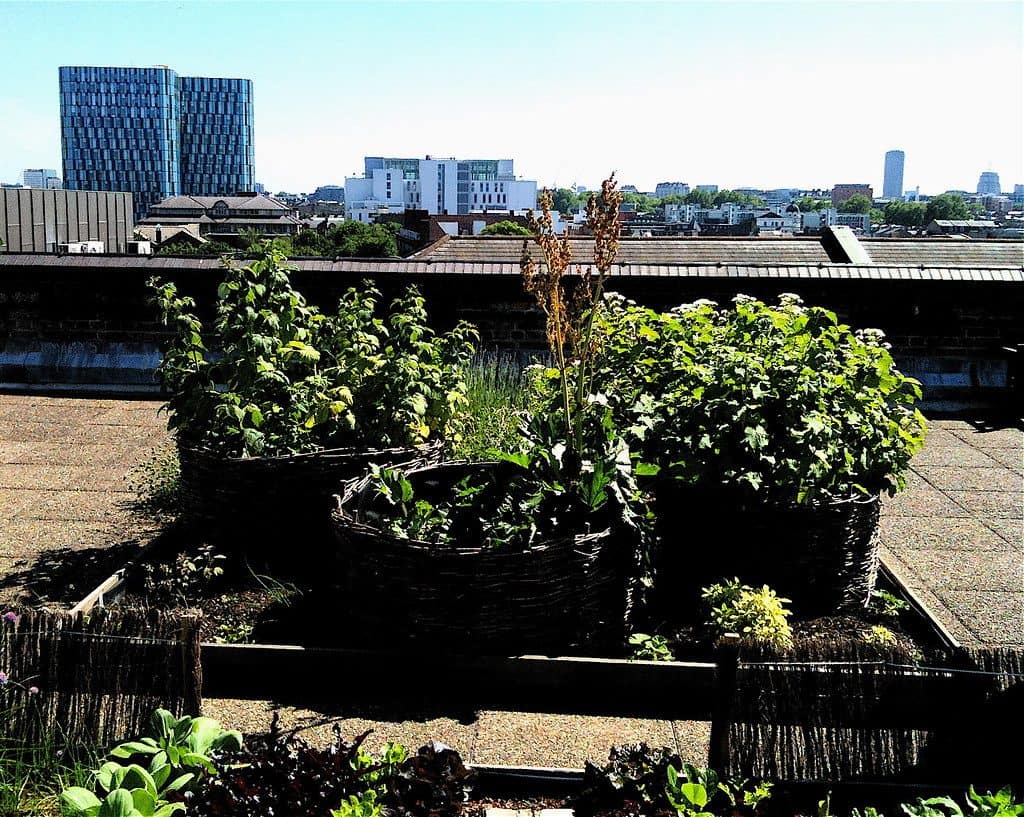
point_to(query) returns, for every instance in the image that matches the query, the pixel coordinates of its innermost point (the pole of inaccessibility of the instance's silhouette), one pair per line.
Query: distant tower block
(892, 183)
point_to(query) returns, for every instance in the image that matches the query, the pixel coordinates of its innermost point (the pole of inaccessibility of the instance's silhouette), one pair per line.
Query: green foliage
(888, 605)
(855, 204)
(156, 484)
(688, 796)
(1001, 804)
(185, 580)
(237, 632)
(905, 213)
(212, 248)
(946, 206)
(274, 375)
(498, 398)
(758, 614)
(348, 239)
(807, 204)
(879, 636)
(362, 805)
(541, 494)
(567, 201)
(642, 203)
(505, 228)
(650, 647)
(177, 757)
(696, 792)
(783, 402)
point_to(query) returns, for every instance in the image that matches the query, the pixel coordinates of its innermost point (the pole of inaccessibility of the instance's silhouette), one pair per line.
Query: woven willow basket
(558, 594)
(823, 556)
(255, 503)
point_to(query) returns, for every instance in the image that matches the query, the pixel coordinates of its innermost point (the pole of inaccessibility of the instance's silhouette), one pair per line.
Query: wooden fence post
(727, 654)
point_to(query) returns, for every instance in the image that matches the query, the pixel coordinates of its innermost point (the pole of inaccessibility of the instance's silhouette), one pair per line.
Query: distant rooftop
(927, 252)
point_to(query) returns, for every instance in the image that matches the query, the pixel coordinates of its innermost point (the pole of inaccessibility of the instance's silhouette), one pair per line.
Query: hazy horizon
(766, 95)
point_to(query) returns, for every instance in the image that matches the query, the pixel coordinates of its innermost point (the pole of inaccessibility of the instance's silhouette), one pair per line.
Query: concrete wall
(39, 220)
(82, 322)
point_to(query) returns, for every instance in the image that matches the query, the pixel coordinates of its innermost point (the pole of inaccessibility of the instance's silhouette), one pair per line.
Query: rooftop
(928, 252)
(955, 537)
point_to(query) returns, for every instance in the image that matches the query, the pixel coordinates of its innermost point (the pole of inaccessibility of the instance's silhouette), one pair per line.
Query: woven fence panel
(850, 711)
(96, 678)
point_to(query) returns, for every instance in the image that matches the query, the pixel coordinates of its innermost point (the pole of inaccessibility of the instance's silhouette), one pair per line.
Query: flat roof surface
(955, 537)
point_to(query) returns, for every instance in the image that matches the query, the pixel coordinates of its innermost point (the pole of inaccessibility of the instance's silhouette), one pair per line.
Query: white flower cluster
(873, 337)
(696, 306)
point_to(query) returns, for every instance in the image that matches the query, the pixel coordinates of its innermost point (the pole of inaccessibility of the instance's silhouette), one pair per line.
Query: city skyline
(760, 95)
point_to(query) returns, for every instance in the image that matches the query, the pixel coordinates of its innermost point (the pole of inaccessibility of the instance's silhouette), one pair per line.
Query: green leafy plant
(176, 753)
(887, 604)
(689, 797)
(782, 402)
(650, 647)
(879, 636)
(237, 632)
(362, 805)
(156, 484)
(758, 614)
(273, 375)
(1001, 804)
(185, 580)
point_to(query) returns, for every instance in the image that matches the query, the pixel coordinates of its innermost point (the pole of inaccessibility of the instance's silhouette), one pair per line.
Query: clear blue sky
(738, 94)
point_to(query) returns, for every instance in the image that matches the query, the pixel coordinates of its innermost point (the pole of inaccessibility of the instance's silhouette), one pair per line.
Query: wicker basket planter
(254, 503)
(557, 595)
(823, 556)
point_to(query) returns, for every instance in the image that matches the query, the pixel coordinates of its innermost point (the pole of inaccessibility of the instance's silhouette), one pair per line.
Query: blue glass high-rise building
(216, 136)
(154, 134)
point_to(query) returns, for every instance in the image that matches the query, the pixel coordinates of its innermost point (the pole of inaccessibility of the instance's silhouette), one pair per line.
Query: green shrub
(757, 614)
(274, 375)
(782, 401)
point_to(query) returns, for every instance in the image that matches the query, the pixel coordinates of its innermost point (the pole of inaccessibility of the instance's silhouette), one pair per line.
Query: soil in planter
(256, 605)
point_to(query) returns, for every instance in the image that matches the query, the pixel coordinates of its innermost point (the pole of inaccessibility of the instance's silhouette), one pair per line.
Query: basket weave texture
(823, 556)
(271, 500)
(558, 594)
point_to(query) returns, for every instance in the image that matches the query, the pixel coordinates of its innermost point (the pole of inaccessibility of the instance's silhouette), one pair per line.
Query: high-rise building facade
(216, 136)
(154, 134)
(41, 178)
(892, 181)
(988, 184)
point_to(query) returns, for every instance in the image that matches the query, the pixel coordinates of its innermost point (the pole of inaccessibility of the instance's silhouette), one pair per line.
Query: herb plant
(650, 647)
(781, 402)
(757, 614)
(273, 375)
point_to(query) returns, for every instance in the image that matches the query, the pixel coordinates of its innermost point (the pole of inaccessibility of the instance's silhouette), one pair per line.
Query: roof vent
(842, 246)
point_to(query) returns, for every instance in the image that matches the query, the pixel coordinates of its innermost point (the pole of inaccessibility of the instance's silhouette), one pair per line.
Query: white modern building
(663, 189)
(41, 178)
(725, 213)
(815, 220)
(439, 186)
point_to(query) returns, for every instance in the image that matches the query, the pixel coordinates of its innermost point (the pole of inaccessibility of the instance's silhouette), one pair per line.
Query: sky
(738, 94)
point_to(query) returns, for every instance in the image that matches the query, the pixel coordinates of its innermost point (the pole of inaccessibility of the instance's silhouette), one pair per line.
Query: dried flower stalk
(569, 314)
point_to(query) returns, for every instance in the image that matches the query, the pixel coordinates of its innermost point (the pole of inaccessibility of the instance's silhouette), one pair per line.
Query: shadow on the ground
(65, 576)
(331, 709)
